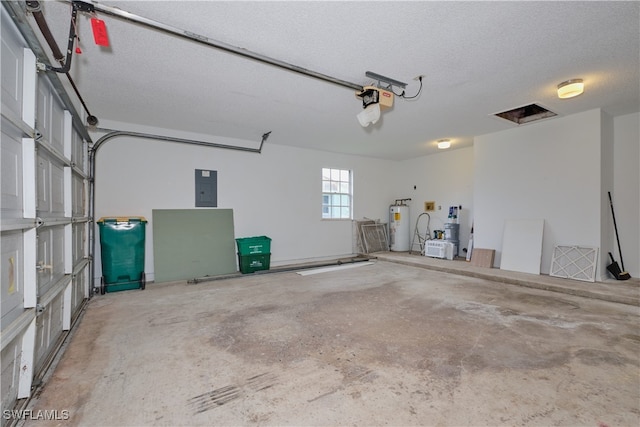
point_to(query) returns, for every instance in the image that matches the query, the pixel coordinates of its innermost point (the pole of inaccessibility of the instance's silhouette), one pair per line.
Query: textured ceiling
(478, 58)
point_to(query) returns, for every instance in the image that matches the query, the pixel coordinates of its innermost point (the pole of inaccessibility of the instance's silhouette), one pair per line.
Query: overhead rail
(128, 16)
(118, 133)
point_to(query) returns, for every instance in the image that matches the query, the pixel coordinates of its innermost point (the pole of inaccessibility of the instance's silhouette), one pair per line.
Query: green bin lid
(122, 219)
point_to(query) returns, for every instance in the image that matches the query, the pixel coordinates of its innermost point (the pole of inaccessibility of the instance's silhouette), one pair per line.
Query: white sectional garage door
(44, 227)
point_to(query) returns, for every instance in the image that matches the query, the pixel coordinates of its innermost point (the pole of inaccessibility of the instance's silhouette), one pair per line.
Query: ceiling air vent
(527, 114)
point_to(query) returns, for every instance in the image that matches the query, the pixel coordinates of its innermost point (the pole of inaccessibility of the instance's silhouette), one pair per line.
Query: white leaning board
(522, 245)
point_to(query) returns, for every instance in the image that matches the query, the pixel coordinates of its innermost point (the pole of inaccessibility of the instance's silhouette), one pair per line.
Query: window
(336, 194)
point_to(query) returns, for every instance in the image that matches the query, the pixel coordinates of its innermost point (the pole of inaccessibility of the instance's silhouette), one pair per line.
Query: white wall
(276, 193)
(626, 189)
(556, 169)
(606, 185)
(548, 170)
(445, 178)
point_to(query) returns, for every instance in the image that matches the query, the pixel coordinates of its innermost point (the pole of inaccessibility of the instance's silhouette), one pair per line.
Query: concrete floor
(381, 344)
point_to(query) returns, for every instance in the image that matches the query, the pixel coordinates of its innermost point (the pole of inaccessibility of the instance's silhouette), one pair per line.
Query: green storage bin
(254, 245)
(253, 263)
(122, 241)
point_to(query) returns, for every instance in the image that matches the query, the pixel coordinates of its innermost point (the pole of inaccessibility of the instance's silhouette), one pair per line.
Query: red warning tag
(99, 32)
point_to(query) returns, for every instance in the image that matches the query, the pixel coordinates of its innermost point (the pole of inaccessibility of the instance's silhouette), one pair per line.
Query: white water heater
(399, 228)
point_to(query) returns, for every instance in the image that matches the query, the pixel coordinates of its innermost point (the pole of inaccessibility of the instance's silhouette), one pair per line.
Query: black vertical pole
(615, 226)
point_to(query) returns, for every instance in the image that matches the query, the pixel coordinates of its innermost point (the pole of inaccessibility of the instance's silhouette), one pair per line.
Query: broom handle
(615, 226)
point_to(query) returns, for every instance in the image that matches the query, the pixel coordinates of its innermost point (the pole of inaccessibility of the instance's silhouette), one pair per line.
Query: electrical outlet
(429, 206)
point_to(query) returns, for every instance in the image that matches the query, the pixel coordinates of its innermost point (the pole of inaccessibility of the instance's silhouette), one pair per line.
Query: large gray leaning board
(192, 243)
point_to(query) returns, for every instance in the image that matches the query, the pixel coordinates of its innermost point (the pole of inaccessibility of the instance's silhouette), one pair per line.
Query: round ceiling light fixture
(444, 144)
(570, 88)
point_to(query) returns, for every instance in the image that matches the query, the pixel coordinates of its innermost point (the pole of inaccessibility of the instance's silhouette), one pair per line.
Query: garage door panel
(57, 254)
(57, 189)
(79, 242)
(43, 184)
(78, 291)
(50, 186)
(10, 375)
(48, 329)
(50, 114)
(77, 151)
(12, 278)
(78, 190)
(44, 261)
(57, 123)
(50, 257)
(43, 108)
(11, 160)
(12, 64)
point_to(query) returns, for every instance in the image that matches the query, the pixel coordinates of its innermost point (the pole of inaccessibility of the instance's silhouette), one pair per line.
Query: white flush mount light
(570, 88)
(443, 144)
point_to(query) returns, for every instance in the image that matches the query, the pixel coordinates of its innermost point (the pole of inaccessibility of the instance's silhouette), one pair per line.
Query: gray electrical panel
(206, 188)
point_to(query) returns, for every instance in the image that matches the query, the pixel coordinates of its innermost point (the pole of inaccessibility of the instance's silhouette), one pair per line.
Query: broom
(613, 267)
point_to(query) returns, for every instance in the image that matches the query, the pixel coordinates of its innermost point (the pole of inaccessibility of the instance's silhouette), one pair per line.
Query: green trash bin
(254, 253)
(122, 241)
